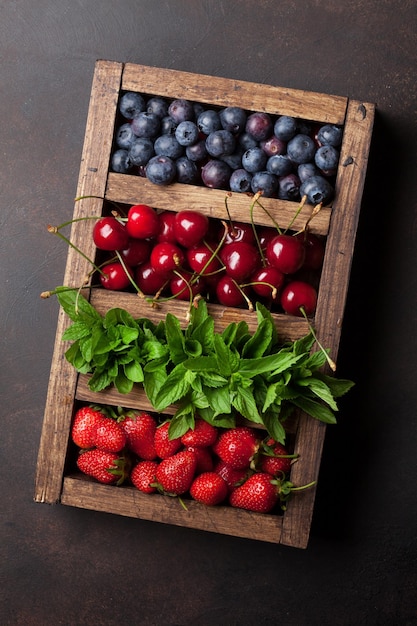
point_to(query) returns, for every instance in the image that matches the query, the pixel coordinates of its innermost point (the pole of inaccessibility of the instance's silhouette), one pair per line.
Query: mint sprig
(218, 376)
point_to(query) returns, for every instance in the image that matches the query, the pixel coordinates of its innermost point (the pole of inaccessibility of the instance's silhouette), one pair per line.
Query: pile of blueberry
(227, 148)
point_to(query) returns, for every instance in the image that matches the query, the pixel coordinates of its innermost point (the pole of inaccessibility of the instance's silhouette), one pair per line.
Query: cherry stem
(271, 217)
(232, 228)
(55, 230)
(123, 264)
(297, 213)
(330, 361)
(274, 290)
(247, 300)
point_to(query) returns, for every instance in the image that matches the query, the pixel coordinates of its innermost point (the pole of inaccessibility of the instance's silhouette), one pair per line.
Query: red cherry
(148, 280)
(201, 259)
(136, 252)
(182, 288)
(166, 227)
(110, 234)
(114, 276)
(239, 231)
(286, 253)
(240, 259)
(314, 250)
(142, 222)
(265, 280)
(166, 257)
(297, 295)
(228, 292)
(190, 227)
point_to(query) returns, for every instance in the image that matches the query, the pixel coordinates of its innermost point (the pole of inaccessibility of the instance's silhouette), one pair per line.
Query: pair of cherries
(192, 254)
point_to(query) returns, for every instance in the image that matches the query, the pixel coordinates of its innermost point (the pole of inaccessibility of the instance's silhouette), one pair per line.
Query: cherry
(201, 259)
(265, 235)
(142, 222)
(114, 276)
(314, 250)
(266, 281)
(229, 293)
(240, 259)
(286, 253)
(136, 252)
(183, 286)
(148, 280)
(110, 234)
(190, 227)
(239, 231)
(166, 257)
(166, 227)
(298, 295)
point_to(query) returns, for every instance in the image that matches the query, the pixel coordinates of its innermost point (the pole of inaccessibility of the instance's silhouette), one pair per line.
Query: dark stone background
(65, 566)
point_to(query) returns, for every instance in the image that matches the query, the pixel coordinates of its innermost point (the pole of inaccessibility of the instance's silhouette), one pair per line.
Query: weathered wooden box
(56, 480)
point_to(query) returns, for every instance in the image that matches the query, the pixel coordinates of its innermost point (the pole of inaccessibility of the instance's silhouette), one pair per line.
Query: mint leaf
(77, 330)
(260, 342)
(175, 387)
(133, 371)
(315, 409)
(76, 306)
(175, 339)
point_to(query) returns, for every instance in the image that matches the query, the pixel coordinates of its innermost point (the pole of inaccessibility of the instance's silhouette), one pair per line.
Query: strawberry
(140, 431)
(233, 477)
(84, 427)
(257, 493)
(143, 475)
(106, 467)
(164, 446)
(175, 474)
(110, 435)
(275, 459)
(204, 458)
(203, 434)
(237, 446)
(209, 488)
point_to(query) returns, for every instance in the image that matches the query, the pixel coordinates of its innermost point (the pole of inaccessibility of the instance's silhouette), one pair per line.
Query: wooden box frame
(55, 479)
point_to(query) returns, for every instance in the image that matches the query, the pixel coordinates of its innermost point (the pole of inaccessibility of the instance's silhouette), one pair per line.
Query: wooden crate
(56, 480)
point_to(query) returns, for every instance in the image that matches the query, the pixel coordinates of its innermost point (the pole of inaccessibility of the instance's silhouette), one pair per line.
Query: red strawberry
(143, 475)
(203, 434)
(110, 435)
(258, 493)
(164, 446)
(175, 474)
(275, 459)
(106, 467)
(204, 458)
(237, 446)
(209, 488)
(140, 434)
(233, 477)
(84, 427)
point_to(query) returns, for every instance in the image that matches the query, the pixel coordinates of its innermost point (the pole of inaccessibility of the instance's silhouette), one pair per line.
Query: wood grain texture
(129, 190)
(225, 92)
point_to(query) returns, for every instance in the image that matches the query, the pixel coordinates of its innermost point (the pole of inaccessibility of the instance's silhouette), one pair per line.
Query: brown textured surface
(61, 565)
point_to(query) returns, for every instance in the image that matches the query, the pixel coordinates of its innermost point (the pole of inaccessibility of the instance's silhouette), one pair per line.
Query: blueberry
(265, 182)
(317, 189)
(240, 181)
(120, 162)
(246, 141)
(197, 152)
(125, 136)
(158, 106)
(301, 149)
(146, 125)
(216, 174)
(181, 110)
(208, 121)
(167, 145)
(259, 126)
(161, 170)
(285, 127)
(233, 119)
(289, 187)
(198, 109)
(326, 159)
(141, 151)
(186, 133)
(273, 145)
(187, 171)
(305, 170)
(254, 160)
(131, 104)
(220, 143)
(168, 126)
(234, 159)
(279, 164)
(330, 135)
